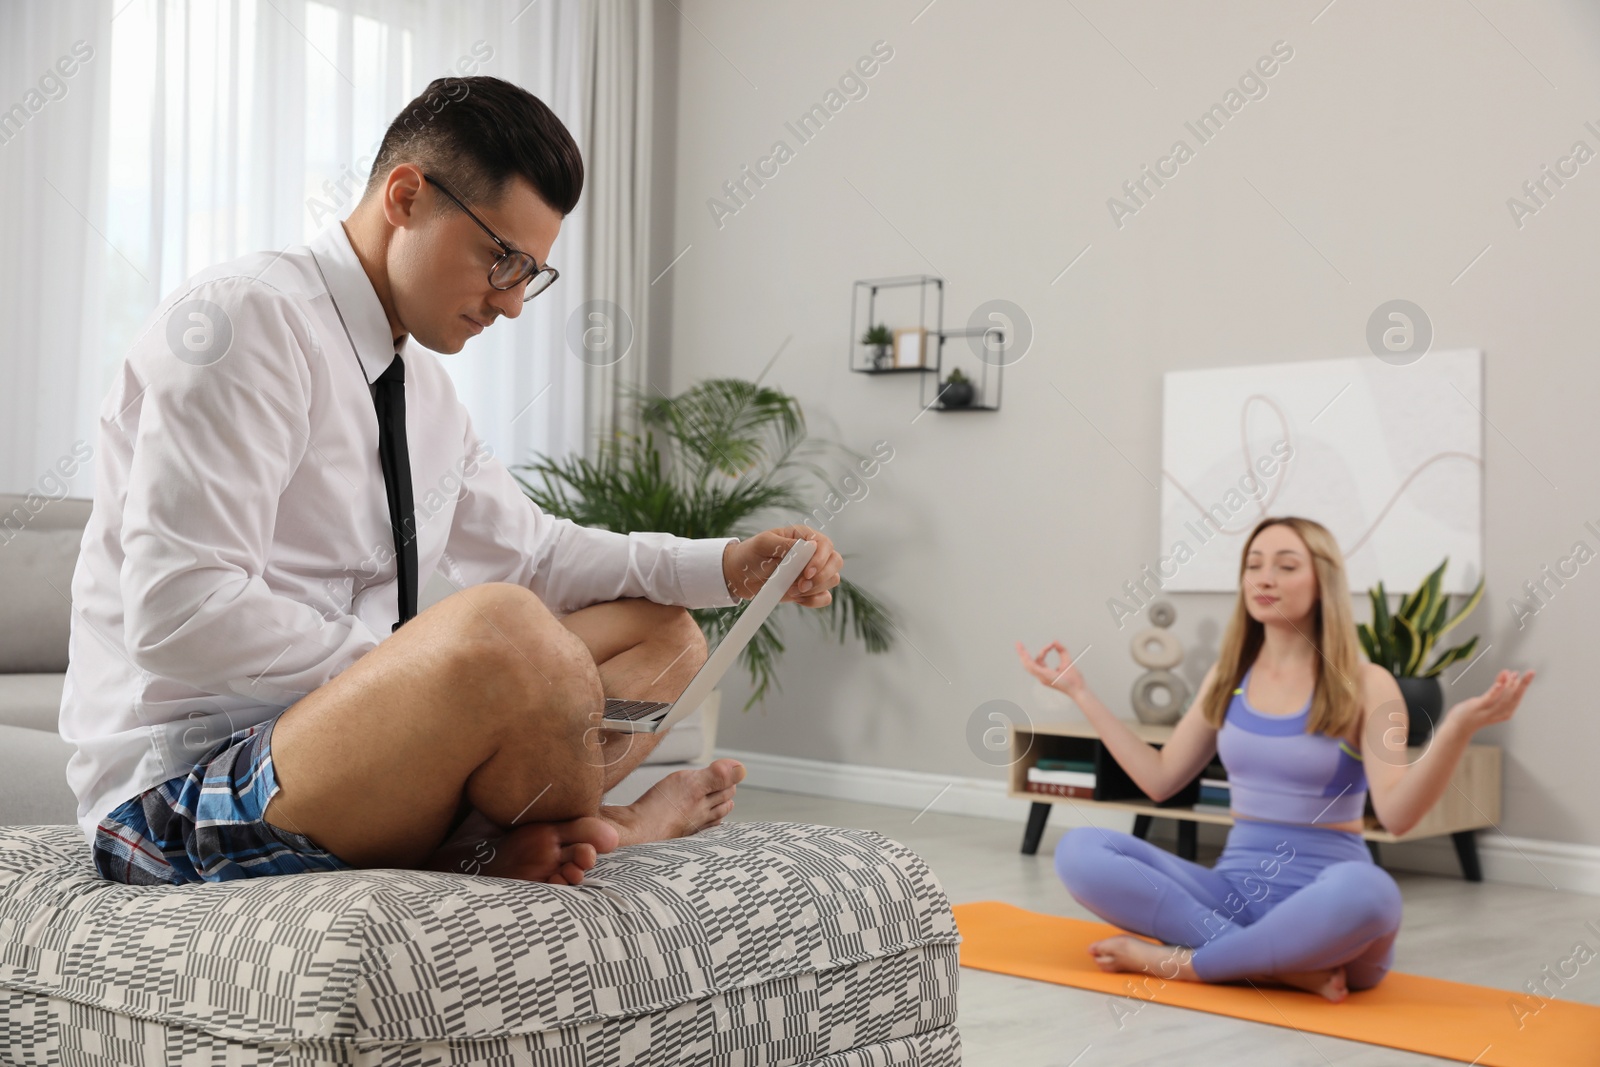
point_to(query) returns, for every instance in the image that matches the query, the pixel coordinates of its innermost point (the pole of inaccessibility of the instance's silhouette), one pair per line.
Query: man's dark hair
(475, 135)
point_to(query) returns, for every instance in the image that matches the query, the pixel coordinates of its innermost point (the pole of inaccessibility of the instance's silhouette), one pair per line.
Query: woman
(1295, 896)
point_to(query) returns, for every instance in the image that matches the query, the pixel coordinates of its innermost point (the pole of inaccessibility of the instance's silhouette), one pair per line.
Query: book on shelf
(1083, 778)
(1046, 764)
(1081, 792)
(1214, 791)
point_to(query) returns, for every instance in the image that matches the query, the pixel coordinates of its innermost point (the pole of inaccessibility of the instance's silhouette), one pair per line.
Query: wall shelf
(861, 354)
(866, 293)
(980, 387)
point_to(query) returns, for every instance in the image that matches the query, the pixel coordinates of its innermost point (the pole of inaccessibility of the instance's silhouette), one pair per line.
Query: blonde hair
(1336, 704)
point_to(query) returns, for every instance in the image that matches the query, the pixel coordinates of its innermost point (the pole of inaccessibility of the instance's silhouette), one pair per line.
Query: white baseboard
(1510, 860)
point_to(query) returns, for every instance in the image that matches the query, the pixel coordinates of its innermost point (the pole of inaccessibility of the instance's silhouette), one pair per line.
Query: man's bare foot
(555, 852)
(682, 803)
(1125, 953)
(1329, 983)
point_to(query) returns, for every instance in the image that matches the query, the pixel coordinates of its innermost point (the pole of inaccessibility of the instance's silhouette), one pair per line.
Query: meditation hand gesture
(1063, 676)
(1496, 704)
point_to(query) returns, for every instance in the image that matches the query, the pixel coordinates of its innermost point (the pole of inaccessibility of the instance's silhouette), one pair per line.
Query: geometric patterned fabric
(749, 943)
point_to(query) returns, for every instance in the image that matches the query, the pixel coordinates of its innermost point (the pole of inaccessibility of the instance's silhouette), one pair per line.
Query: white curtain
(55, 67)
(617, 38)
(203, 129)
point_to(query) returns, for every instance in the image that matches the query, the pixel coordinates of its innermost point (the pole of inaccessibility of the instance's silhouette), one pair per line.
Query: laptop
(654, 716)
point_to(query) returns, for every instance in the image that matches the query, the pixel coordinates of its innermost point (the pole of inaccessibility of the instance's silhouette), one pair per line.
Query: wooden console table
(1471, 804)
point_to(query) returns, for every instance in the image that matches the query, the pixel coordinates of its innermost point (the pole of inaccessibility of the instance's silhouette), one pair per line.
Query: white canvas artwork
(1389, 458)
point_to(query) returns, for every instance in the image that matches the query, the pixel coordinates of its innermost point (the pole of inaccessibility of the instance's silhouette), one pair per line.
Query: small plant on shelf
(880, 339)
(957, 390)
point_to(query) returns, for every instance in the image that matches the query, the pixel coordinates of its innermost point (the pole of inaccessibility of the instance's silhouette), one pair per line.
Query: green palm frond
(725, 458)
(724, 424)
(854, 610)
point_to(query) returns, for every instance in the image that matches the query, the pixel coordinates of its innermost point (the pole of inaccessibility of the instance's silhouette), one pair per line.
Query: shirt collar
(356, 301)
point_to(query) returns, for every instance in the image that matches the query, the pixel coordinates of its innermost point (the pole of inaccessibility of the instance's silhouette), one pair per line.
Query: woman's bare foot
(559, 853)
(1329, 983)
(681, 804)
(1125, 953)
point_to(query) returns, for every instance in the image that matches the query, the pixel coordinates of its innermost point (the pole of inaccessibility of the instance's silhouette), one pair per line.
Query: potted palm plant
(727, 457)
(1402, 641)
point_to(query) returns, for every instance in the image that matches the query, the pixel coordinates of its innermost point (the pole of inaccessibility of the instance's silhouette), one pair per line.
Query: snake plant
(725, 457)
(1403, 640)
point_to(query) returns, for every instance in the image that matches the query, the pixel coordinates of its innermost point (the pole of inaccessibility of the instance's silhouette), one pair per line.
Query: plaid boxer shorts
(207, 825)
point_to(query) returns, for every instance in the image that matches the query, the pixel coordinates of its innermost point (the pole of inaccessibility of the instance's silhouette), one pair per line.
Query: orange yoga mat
(1452, 1020)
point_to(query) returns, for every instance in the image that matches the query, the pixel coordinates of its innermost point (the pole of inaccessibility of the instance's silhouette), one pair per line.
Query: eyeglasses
(511, 268)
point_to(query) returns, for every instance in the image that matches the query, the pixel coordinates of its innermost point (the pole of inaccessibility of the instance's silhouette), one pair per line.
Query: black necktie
(390, 400)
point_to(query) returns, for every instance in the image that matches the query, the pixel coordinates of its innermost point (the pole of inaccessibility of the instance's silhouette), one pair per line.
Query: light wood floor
(1493, 935)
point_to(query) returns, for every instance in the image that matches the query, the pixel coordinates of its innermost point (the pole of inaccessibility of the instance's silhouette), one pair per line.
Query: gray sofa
(38, 550)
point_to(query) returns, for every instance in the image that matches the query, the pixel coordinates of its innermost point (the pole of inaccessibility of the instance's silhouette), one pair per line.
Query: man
(234, 712)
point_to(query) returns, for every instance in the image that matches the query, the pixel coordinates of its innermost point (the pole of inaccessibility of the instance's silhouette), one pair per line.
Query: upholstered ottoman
(751, 943)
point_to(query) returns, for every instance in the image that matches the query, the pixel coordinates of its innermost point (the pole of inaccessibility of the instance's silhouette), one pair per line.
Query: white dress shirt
(239, 552)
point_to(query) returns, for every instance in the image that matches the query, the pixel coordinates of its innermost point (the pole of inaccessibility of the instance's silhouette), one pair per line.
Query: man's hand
(747, 564)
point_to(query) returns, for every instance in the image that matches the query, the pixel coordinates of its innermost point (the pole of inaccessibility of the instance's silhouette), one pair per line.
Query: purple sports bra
(1279, 772)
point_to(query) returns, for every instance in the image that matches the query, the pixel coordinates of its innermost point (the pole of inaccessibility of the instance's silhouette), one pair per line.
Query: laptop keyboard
(633, 709)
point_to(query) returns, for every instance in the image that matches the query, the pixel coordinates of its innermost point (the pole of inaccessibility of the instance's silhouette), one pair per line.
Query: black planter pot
(1424, 703)
(956, 394)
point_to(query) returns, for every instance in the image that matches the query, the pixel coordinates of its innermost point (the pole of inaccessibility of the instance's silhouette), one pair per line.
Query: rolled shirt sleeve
(217, 444)
(500, 535)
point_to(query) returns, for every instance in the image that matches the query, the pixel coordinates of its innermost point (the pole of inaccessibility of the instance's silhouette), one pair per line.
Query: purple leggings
(1283, 897)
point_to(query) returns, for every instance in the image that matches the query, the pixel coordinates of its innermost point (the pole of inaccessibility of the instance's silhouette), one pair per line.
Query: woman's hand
(1496, 704)
(1064, 676)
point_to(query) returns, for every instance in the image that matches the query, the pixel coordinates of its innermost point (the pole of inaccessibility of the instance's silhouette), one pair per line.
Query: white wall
(1377, 166)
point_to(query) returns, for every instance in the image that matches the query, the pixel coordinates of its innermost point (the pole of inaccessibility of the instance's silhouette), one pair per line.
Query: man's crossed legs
(487, 698)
